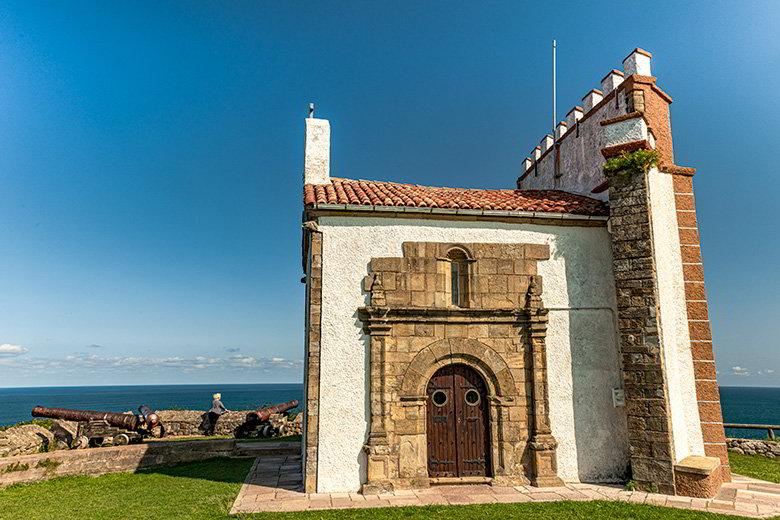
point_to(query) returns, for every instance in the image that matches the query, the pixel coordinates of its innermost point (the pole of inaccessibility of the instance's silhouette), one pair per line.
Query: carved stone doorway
(457, 423)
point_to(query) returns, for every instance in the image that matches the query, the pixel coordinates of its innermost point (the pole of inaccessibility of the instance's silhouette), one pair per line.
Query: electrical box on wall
(618, 397)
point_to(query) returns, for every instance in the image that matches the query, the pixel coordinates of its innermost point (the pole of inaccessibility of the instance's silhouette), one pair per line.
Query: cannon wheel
(121, 439)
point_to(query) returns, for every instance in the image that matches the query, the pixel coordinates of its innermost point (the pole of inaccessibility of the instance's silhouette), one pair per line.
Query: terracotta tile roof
(365, 193)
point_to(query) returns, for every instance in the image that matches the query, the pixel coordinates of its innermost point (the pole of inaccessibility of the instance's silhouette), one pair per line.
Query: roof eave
(454, 211)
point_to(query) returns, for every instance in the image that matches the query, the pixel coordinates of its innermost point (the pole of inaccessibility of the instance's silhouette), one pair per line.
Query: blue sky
(151, 155)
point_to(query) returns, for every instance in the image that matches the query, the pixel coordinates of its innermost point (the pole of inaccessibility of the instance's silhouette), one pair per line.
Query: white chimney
(591, 99)
(527, 163)
(536, 153)
(316, 162)
(638, 62)
(611, 81)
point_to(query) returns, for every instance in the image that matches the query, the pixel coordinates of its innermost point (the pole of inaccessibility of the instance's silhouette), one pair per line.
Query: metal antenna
(554, 100)
(311, 110)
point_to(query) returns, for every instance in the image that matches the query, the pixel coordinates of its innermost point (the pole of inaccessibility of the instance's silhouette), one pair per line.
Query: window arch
(459, 277)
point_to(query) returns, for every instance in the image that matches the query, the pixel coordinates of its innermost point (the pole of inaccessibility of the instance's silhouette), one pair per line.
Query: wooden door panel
(457, 423)
(442, 457)
(470, 422)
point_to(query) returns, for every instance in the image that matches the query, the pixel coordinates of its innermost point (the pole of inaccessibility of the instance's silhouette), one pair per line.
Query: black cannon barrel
(265, 413)
(118, 420)
(149, 415)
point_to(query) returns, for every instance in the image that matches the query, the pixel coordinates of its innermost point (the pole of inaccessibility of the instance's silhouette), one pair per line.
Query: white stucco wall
(582, 342)
(580, 155)
(675, 337)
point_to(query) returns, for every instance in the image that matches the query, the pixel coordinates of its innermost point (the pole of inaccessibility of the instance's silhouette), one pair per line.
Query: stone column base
(544, 462)
(376, 487)
(509, 480)
(697, 476)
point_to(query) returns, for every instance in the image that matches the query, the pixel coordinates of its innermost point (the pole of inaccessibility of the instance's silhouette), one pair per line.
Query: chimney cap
(593, 91)
(614, 71)
(638, 51)
(575, 109)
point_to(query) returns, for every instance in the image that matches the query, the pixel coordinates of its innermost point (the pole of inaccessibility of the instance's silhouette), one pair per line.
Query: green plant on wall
(630, 163)
(49, 464)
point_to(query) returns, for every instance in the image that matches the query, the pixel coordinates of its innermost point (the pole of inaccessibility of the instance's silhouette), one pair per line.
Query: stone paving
(274, 484)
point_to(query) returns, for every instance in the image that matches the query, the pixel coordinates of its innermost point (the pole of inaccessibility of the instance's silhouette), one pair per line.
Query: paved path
(274, 484)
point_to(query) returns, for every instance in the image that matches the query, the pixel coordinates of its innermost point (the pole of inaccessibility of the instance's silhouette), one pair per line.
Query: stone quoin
(554, 332)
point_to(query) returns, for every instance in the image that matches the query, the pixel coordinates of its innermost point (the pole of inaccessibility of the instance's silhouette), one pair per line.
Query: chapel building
(552, 332)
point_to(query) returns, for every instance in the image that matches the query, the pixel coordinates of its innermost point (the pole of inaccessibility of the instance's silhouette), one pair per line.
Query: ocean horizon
(750, 405)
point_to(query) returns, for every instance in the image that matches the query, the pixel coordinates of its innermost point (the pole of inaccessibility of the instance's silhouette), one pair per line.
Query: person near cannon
(216, 411)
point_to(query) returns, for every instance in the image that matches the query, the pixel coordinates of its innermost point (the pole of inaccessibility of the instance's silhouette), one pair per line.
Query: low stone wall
(119, 459)
(179, 423)
(25, 440)
(769, 449)
(30, 438)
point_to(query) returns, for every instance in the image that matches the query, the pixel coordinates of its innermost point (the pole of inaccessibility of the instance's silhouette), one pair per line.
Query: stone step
(771, 498)
(454, 481)
(264, 449)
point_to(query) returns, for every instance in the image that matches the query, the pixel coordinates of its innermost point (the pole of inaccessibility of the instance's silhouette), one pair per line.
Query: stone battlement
(571, 160)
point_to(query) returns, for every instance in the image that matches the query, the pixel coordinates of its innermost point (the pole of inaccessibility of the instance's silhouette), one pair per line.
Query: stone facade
(313, 250)
(498, 329)
(652, 461)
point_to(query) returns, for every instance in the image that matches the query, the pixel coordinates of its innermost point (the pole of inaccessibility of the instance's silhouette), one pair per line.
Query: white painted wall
(580, 156)
(675, 338)
(582, 340)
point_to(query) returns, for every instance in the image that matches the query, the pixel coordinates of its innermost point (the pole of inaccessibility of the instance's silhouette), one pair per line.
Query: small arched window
(459, 277)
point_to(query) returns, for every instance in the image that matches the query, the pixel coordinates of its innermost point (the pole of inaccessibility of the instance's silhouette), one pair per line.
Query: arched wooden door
(457, 426)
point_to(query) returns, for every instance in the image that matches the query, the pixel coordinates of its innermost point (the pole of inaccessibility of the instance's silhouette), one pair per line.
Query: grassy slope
(755, 466)
(205, 490)
(201, 490)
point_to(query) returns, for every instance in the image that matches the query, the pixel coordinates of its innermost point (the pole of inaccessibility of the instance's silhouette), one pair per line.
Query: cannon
(95, 427)
(265, 413)
(258, 422)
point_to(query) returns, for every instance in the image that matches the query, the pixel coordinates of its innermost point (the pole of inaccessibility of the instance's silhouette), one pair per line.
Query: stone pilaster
(707, 392)
(544, 462)
(312, 367)
(377, 447)
(647, 405)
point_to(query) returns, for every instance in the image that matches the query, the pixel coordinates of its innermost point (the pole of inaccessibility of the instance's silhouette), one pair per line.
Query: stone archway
(490, 364)
(506, 406)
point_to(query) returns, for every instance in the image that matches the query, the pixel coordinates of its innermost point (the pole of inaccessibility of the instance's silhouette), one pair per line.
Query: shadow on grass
(218, 469)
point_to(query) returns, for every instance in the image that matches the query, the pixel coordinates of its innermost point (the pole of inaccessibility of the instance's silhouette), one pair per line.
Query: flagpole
(554, 100)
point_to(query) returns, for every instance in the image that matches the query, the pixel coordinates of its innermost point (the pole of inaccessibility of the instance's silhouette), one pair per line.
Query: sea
(16, 403)
(740, 404)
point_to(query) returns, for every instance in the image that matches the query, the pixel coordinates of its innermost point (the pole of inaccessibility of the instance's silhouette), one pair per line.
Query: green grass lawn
(206, 490)
(198, 491)
(536, 511)
(755, 466)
